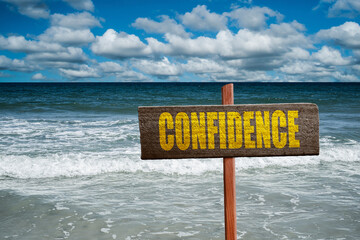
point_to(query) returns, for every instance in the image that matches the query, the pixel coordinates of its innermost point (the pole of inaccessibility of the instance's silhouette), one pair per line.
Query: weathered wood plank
(173, 132)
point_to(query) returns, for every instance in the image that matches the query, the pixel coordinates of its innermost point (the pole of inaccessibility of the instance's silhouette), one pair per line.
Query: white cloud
(102, 70)
(277, 40)
(200, 18)
(253, 18)
(166, 25)
(288, 30)
(120, 72)
(245, 55)
(244, 44)
(161, 69)
(75, 20)
(315, 71)
(31, 8)
(130, 75)
(70, 29)
(266, 63)
(158, 48)
(345, 77)
(38, 76)
(119, 45)
(84, 71)
(67, 36)
(346, 35)
(301, 67)
(16, 65)
(197, 47)
(345, 8)
(69, 55)
(81, 4)
(111, 67)
(240, 75)
(20, 44)
(356, 68)
(201, 65)
(44, 52)
(330, 56)
(297, 53)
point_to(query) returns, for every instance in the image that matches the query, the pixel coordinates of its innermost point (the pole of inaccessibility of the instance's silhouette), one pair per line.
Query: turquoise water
(70, 167)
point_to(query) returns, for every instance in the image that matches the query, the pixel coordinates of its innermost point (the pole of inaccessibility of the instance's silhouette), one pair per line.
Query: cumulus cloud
(314, 70)
(70, 29)
(241, 75)
(275, 41)
(81, 4)
(120, 72)
(297, 53)
(265, 63)
(200, 18)
(254, 18)
(356, 67)
(38, 76)
(16, 65)
(38, 9)
(244, 44)
(262, 42)
(75, 20)
(67, 36)
(69, 55)
(302, 67)
(330, 56)
(132, 76)
(166, 25)
(345, 8)
(83, 71)
(31, 8)
(119, 45)
(20, 44)
(346, 35)
(161, 69)
(345, 77)
(102, 70)
(203, 65)
(111, 67)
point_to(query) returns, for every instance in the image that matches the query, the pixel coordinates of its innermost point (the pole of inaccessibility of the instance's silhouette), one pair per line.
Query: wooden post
(158, 132)
(227, 93)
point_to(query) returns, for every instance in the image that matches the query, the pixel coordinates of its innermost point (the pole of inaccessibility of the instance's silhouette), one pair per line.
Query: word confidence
(232, 128)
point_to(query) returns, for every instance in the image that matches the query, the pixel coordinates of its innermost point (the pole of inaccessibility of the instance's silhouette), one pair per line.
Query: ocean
(70, 166)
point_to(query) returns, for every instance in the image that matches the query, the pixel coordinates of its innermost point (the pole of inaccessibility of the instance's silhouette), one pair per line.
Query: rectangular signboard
(229, 131)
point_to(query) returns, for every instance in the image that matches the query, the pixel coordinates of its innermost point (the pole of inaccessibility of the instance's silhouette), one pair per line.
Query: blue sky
(217, 40)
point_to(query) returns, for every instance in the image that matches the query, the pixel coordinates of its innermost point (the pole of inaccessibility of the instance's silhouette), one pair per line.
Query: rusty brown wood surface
(227, 96)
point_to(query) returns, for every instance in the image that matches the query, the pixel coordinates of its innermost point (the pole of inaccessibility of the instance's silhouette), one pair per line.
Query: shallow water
(70, 167)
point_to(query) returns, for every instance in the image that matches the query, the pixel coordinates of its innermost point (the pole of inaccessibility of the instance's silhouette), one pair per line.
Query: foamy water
(37, 148)
(70, 168)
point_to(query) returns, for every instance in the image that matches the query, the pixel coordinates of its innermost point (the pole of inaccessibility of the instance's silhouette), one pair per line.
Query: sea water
(70, 167)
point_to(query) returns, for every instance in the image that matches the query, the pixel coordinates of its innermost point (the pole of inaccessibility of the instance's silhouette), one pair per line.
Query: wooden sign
(229, 131)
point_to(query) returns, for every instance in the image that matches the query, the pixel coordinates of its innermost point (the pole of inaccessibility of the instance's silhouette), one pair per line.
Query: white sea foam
(56, 148)
(87, 163)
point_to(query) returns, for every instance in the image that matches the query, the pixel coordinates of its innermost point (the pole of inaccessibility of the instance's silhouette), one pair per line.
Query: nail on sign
(229, 131)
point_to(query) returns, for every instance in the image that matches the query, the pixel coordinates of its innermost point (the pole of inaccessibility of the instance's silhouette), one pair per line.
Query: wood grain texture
(307, 122)
(229, 198)
(227, 96)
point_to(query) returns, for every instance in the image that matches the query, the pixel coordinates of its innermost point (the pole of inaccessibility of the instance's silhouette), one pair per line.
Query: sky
(186, 41)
